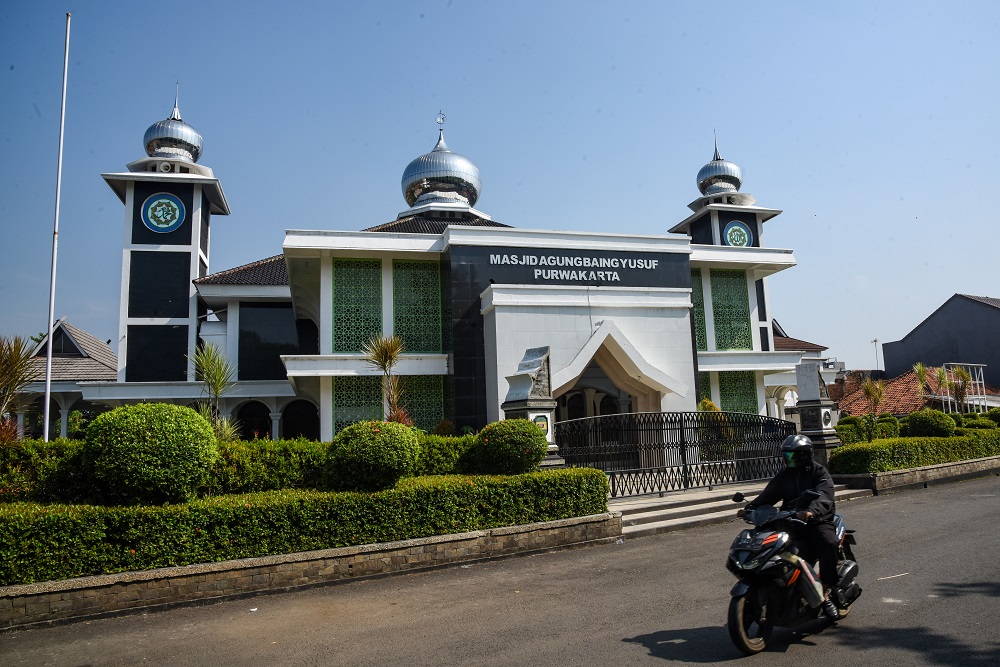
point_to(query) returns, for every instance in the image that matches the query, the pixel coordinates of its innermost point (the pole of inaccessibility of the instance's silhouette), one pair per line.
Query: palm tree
(960, 384)
(874, 391)
(212, 367)
(384, 352)
(944, 383)
(16, 372)
(921, 372)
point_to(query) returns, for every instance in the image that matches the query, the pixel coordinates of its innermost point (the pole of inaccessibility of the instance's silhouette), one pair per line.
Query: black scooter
(778, 588)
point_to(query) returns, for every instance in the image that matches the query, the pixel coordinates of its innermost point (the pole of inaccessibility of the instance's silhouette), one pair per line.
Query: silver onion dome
(719, 176)
(173, 138)
(441, 175)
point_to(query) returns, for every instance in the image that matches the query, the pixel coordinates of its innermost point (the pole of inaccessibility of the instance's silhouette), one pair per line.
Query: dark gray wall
(962, 330)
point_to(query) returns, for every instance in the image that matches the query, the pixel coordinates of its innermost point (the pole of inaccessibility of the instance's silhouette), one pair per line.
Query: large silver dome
(173, 138)
(719, 176)
(441, 175)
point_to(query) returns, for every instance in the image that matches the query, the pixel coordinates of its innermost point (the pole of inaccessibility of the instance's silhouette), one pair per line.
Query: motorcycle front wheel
(748, 625)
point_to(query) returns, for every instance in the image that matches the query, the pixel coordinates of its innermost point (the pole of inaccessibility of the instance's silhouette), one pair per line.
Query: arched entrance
(300, 419)
(255, 421)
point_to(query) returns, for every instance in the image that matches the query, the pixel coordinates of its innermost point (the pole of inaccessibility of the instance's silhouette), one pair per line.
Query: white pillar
(275, 425)
(63, 423)
(20, 424)
(772, 406)
(589, 394)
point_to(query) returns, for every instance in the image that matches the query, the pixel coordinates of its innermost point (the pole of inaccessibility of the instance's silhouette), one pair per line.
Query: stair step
(638, 523)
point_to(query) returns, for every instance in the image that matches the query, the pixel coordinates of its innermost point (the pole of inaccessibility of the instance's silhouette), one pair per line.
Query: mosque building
(633, 323)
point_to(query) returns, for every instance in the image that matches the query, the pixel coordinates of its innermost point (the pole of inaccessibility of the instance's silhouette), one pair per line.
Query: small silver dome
(173, 138)
(441, 175)
(719, 176)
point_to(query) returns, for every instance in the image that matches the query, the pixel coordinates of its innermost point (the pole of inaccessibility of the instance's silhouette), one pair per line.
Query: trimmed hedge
(929, 423)
(509, 447)
(267, 465)
(49, 542)
(42, 471)
(371, 456)
(149, 453)
(902, 453)
(445, 455)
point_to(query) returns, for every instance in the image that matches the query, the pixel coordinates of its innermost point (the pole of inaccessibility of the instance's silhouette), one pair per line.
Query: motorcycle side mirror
(739, 497)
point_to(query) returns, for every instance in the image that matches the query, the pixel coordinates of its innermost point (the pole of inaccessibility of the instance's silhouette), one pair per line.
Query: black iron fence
(650, 452)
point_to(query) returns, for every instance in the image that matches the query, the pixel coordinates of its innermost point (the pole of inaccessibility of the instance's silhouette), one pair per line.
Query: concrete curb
(919, 478)
(81, 598)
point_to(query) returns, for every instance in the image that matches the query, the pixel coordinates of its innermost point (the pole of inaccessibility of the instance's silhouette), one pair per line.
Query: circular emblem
(827, 418)
(738, 234)
(162, 212)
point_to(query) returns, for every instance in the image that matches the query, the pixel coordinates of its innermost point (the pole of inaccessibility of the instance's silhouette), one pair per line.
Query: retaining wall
(911, 478)
(104, 595)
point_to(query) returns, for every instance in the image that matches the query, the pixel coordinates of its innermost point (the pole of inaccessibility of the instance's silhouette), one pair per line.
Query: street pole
(55, 238)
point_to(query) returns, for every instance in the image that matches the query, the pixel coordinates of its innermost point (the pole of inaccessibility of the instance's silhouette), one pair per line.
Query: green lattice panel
(698, 300)
(357, 302)
(704, 386)
(738, 392)
(356, 399)
(416, 305)
(731, 310)
(423, 398)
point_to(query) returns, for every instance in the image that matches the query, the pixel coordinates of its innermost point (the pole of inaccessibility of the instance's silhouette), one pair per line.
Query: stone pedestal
(530, 397)
(815, 410)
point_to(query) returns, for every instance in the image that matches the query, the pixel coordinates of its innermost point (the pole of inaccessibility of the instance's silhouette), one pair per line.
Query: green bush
(978, 423)
(268, 465)
(149, 453)
(849, 420)
(901, 453)
(929, 423)
(854, 431)
(43, 471)
(444, 455)
(993, 414)
(371, 455)
(509, 447)
(79, 540)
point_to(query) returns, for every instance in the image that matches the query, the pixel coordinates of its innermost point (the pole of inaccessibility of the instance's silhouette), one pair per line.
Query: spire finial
(176, 115)
(440, 120)
(716, 136)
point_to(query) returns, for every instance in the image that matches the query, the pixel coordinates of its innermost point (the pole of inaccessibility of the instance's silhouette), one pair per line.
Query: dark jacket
(790, 483)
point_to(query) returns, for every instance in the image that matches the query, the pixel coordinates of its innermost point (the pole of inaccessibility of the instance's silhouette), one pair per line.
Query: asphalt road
(929, 569)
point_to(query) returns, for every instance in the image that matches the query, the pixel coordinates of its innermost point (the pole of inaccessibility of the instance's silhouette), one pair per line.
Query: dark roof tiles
(270, 271)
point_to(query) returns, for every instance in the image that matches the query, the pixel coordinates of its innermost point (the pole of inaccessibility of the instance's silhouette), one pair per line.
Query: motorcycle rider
(818, 538)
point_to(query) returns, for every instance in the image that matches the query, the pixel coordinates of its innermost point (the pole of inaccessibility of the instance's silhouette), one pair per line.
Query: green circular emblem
(162, 212)
(738, 234)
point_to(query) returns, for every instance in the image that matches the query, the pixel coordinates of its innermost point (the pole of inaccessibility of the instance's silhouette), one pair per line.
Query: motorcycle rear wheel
(748, 632)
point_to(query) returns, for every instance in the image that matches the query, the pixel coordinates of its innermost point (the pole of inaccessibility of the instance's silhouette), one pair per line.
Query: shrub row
(49, 542)
(901, 453)
(55, 471)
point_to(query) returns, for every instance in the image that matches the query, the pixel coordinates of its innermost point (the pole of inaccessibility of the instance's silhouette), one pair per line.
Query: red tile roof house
(902, 394)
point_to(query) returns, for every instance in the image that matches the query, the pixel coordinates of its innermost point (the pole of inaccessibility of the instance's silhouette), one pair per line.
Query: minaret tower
(169, 200)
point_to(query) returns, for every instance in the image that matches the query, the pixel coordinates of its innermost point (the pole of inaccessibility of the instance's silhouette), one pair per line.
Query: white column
(63, 423)
(772, 406)
(20, 424)
(589, 394)
(275, 425)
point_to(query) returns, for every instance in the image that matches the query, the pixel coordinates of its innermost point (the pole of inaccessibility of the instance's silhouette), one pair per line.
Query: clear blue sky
(872, 125)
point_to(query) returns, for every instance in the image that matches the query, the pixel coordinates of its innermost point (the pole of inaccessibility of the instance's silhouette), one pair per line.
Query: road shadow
(987, 588)
(932, 647)
(712, 644)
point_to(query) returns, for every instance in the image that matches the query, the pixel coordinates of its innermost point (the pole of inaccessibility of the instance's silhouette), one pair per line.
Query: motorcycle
(777, 587)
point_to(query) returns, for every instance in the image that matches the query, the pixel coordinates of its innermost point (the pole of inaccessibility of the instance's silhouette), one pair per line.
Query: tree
(874, 391)
(16, 372)
(213, 368)
(921, 372)
(384, 352)
(960, 383)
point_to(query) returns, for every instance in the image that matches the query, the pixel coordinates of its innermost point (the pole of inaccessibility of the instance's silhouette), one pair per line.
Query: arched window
(255, 421)
(300, 419)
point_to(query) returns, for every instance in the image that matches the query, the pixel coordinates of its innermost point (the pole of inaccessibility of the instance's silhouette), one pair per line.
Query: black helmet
(797, 450)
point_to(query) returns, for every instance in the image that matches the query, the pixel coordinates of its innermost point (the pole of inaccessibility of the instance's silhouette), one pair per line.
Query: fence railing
(650, 452)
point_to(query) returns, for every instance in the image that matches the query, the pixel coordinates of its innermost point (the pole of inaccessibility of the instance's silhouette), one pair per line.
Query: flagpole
(55, 237)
